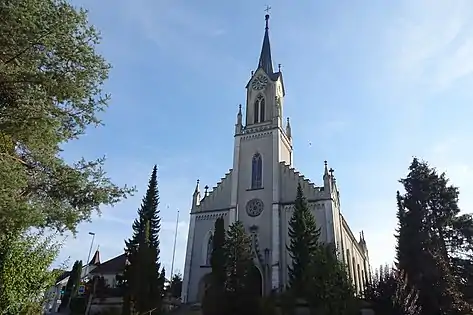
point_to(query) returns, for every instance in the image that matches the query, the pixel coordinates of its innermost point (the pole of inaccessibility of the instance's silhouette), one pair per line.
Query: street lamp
(90, 251)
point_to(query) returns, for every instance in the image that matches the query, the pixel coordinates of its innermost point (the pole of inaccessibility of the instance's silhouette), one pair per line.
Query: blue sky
(369, 85)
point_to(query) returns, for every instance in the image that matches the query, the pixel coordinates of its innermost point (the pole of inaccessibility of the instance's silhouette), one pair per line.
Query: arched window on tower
(256, 171)
(259, 108)
(209, 249)
(256, 112)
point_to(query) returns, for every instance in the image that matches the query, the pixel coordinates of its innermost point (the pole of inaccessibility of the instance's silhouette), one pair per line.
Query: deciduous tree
(50, 90)
(391, 294)
(24, 272)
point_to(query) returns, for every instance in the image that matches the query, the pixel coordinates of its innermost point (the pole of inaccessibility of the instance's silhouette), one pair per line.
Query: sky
(368, 86)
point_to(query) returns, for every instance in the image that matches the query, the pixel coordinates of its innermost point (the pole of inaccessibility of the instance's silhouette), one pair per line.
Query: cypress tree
(214, 297)
(72, 284)
(217, 260)
(142, 283)
(425, 213)
(303, 248)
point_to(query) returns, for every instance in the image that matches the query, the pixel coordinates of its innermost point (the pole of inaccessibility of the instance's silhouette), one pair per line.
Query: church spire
(265, 61)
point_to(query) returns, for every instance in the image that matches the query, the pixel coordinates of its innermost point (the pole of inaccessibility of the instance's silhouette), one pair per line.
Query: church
(260, 189)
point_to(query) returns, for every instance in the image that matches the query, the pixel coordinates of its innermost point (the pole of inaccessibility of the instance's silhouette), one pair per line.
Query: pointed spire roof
(265, 60)
(96, 259)
(325, 169)
(197, 187)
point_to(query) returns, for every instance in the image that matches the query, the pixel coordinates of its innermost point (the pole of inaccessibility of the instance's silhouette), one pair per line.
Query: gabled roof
(63, 275)
(96, 259)
(112, 266)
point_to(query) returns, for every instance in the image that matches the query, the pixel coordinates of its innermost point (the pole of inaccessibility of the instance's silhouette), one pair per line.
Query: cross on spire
(268, 8)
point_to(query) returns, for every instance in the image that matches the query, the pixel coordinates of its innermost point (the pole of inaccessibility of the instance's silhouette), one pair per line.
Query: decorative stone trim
(210, 216)
(257, 136)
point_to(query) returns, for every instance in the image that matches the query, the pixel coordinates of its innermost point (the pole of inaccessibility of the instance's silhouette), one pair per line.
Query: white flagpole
(174, 248)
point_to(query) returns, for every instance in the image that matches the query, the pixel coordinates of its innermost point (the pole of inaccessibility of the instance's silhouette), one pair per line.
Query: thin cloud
(430, 44)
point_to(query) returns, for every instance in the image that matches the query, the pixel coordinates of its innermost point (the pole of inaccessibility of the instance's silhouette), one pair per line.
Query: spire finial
(266, 17)
(265, 60)
(196, 190)
(239, 107)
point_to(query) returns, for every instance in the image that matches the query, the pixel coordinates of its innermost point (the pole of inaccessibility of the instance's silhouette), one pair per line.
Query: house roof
(62, 275)
(96, 259)
(112, 266)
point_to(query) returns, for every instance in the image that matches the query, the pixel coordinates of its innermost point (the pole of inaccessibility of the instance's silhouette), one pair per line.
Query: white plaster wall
(204, 224)
(356, 263)
(289, 181)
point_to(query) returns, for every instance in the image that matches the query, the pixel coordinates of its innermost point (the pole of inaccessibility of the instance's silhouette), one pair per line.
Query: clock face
(259, 82)
(254, 207)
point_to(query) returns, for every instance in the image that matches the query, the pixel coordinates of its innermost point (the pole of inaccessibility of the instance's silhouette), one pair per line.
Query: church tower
(263, 141)
(261, 144)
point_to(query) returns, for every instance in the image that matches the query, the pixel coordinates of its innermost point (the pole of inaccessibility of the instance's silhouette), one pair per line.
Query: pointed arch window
(255, 112)
(209, 249)
(256, 171)
(259, 109)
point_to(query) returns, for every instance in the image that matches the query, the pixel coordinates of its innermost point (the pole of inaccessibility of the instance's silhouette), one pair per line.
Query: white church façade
(260, 191)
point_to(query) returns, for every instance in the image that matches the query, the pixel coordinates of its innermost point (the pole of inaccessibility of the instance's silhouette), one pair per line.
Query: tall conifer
(304, 237)
(143, 289)
(240, 273)
(426, 211)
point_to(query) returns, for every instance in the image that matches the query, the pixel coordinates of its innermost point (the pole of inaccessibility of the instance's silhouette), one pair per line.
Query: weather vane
(268, 8)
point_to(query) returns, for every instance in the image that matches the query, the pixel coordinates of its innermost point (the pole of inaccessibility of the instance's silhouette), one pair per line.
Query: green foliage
(390, 293)
(330, 290)
(142, 282)
(78, 305)
(161, 282)
(240, 273)
(50, 91)
(72, 284)
(175, 288)
(303, 248)
(100, 287)
(24, 273)
(429, 237)
(316, 274)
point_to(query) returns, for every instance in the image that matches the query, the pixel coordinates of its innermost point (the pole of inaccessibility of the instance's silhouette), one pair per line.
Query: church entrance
(256, 281)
